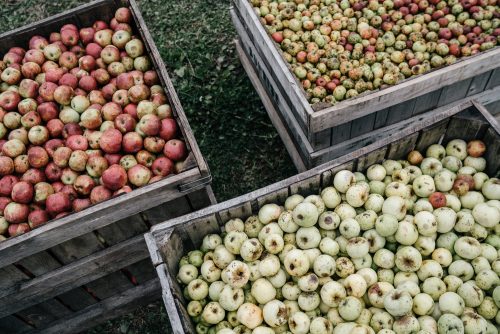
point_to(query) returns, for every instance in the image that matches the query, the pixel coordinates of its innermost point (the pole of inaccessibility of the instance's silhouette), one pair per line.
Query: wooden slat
(105, 310)
(123, 230)
(494, 79)
(243, 211)
(278, 196)
(464, 128)
(362, 125)
(77, 299)
(381, 118)
(431, 135)
(454, 92)
(142, 271)
(162, 212)
(320, 139)
(492, 121)
(492, 138)
(308, 186)
(13, 325)
(400, 149)
(75, 274)
(10, 278)
(494, 107)
(76, 248)
(400, 112)
(479, 83)
(426, 102)
(341, 133)
(109, 285)
(44, 313)
(376, 156)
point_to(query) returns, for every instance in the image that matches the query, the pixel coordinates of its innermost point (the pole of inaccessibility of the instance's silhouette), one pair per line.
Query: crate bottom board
(104, 310)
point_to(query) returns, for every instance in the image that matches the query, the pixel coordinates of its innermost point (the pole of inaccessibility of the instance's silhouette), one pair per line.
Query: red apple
(57, 186)
(151, 78)
(94, 50)
(63, 95)
(123, 15)
(37, 218)
(110, 141)
(110, 111)
(87, 35)
(162, 166)
(437, 200)
(71, 129)
(18, 229)
(57, 203)
(7, 183)
(112, 158)
(38, 157)
(53, 172)
(476, 148)
(3, 203)
(55, 127)
(48, 111)
(168, 129)
(96, 165)
(9, 100)
(102, 77)
(69, 37)
(154, 144)
(175, 150)
(80, 204)
(68, 60)
(30, 70)
(69, 79)
(132, 142)
(16, 213)
(22, 192)
(28, 88)
(115, 177)
(35, 56)
(77, 142)
(100, 194)
(46, 91)
(6, 165)
(70, 191)
(131, 109)
(61, 156)
(99, 25)
(145, 158)
(52, 145)
(87, 83)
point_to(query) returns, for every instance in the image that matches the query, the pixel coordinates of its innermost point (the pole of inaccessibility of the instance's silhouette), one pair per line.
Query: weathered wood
(341, 133)
(376, 156)
(492, 138)
(479, 83)
(426, 102)
(123, 230)
(164, 211)
(400, 148)
(13, 325)
(400, 112)
(454, 92)
(105, 310)
(362, 125)
(44, 313)
(381, 118)
(494, 79)
(73, 275)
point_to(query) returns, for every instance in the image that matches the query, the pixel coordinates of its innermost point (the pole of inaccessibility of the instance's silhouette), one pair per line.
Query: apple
(132, 142)
(3, 203)
(57, 186)
(138, 93)
(38, 157)
(134, 48)
(61, 156)
(99, 25)
(110, 54)
(87, 35)
(139, 175)
(30, 70)
(31, 119)
(54, 74)
(96, 99)
(91, 119)
(9, 100)
(80, 204)
(55, 127)
(120, 38)
(115, 177)
(145, 108)
(68, 60)
(93, 49)
(52, 52)
(22, 192)
(143, 64)
(7, 182)
(12, 120)
(70, 37)
(110, 111)
(16, 213)
(77, 142)
(68, 176)
(37, 218)
(103, 37)
(35, 56)
(78, 161)
(120, 97)
(100, 194)
(149, 125)
(145, 158)
(18, 229)
(21, 164)
(168, 129)
(41, 191)
(69, 79)
(123, 15)
(116, 68)
(131, 109)
(87, 83)
(57, 203)
(110, 141)
(96, 165)
(21, 134)
(84, 185)
(124, 81)
(93, 139)
(162, 166)
(151, 78)
(128, 161)
(123, 190)
(38, 135)
(28, 88)
(46, 91)
(53, 172)
(27, 105)
(159, 99)
(128, 63)
(175, 149)
(11, 75)
(52, 145)
(154, 144)
(113, 158)
(63, 95)
(33, 176)
(13, 148)
(70, 191)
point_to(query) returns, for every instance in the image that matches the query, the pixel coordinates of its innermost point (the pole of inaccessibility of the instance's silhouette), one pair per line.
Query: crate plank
(109, 285)
(492, 152)
(479, 83)
(493, 108)
(381, 118)
(376, 156)
(362, 125)
(105, 310)
(454, 92)
(243, 210)
(340, 133)
(494, 79)
(201, 198)
(75, 274)
(142, 271)
(77, 248)
(44, 313)
(278, 196)
(10, 278)
(400, 112)
(401, 148)
(13, 325)
(309, 186)
(466, 128)
(431, 135)
(77, 299)
(167, 210)
(426, 102)
(39, 263)
(123, 230)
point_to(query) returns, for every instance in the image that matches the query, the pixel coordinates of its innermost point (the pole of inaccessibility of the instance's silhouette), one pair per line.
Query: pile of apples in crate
(411, 246)
(339, 49)
(82, 118)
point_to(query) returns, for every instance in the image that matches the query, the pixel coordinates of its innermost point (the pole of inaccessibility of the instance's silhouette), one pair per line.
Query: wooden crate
(324, 127)
(169, 241)
(91, 266)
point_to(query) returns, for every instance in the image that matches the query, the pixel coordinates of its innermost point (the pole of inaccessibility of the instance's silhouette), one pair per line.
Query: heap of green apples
(410, 246)
(339, 49)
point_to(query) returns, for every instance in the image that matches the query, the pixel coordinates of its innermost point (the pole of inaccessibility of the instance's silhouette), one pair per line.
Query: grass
(243, 150)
